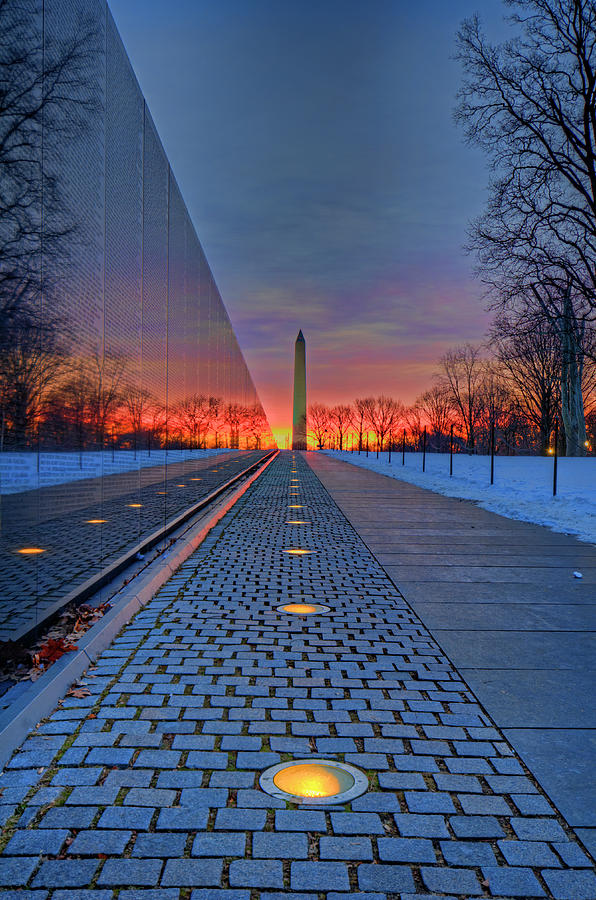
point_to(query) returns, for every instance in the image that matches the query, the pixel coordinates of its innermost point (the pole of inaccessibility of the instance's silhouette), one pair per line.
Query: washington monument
(299, 416)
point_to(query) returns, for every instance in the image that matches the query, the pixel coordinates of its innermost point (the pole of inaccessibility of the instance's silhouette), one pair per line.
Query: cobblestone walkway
(149, 787)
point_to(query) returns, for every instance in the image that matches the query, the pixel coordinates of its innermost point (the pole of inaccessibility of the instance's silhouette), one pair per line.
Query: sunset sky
(314, 145)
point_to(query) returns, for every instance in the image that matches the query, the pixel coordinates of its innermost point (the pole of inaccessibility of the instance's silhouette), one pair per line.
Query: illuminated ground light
(297, 522)
(134, 505)
(303, 609)
(31, 551)
(195, 479)
(96, 521)
(299, 551)
(295, 506)
(180, 485)
(312, 782)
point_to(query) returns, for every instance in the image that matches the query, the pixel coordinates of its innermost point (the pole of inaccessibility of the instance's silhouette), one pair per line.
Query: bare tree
(462, 374)
(49, 92)
(529, 354)
(340, 418)
(362, 410)
(255, 424)
(319, 423)
(384, 417)
(437, 406)
(234, 415)
(195, 415)
(529, 103)
(31, 363)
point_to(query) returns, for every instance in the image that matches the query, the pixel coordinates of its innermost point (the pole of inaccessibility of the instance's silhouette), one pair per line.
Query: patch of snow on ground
(523, 487)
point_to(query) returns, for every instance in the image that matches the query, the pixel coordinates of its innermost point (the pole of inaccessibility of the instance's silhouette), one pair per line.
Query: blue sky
(315, 148)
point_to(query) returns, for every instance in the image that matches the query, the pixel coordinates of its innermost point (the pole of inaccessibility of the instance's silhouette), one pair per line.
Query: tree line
(508, 389)
(50, 400)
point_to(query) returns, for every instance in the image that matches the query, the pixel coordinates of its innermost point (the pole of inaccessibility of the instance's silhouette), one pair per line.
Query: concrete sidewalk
(148, 788)
(500, 598)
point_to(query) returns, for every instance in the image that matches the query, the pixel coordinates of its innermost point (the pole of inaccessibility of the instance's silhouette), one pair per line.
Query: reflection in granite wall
(120, 374)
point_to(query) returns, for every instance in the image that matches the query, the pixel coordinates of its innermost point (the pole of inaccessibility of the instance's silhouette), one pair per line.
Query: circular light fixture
(303, 609)
(298, 551)
(96, 521)
(297, 522)
(134, 505)
(30, 551)
(195, 479)
(314, 782)
(295, 506)
(180, 485)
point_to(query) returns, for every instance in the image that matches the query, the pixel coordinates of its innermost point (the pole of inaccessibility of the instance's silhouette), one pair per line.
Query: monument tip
(300, 336)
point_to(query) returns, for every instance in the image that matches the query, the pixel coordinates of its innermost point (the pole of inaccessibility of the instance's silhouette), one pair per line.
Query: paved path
(500, 598)
(148, 789)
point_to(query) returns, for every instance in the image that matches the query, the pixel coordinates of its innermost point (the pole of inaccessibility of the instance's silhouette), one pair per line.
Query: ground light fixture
(303, 609)
(134, 505)
(299, 551)
(96, 521)
(31, 551)
(297, 522)
(295, 506)
(321, 782)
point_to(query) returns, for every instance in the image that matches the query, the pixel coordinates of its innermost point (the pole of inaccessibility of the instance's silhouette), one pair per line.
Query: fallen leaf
(79, 693)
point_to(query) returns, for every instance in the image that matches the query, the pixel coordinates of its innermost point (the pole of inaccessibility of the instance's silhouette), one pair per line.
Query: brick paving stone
(130, 871)
(356, 823)
(476, 827)
(82, 895)
(412, 825)
(300, 820)
(319, 876)
(415, 850)
(538, 830)
(192, 872)
(467, 853)
(460, 880)
(39, 841)
(519, 882)
(209, 685)
(214, 844)
(152, 845)
(380, 877)
(179, 819)
(256, 873)
(571, 885)
(219, 894)
(144, 894)
(136, 817)
(65, 873)
(279, 845)
(344, 848)
(14, 871)
(90, 843)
